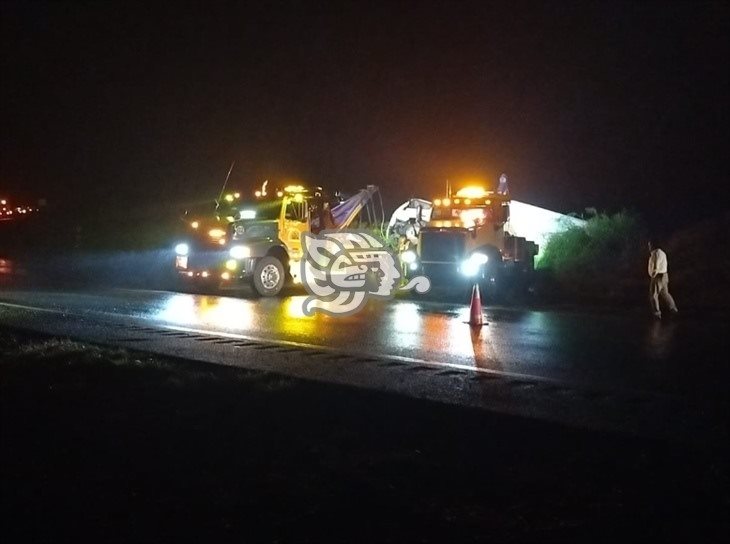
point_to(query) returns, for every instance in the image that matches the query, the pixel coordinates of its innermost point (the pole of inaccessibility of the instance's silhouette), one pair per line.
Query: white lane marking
(33, 308)
(385, 358)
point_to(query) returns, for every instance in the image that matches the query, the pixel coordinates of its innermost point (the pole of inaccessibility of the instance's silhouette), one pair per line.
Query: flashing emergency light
(472, 191)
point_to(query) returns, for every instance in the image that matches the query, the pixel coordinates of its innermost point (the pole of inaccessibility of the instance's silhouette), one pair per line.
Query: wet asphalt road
(610, 351)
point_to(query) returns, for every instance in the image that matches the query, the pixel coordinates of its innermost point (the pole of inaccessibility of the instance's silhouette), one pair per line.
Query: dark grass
(107, 445)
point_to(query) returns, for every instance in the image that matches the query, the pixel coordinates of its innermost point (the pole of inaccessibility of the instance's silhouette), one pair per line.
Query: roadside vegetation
(105, 444)
(605, 262)
(601, 262)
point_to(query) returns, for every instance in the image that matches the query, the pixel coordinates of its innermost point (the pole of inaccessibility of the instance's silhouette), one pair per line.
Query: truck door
(294, 221)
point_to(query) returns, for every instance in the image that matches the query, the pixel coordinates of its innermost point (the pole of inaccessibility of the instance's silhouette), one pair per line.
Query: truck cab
(464, 235)
(465, 241)
(265, 248)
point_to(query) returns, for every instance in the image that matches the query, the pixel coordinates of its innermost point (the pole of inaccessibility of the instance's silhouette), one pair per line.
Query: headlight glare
(408, 257)
(240, 252)
(182, 249)
(479, 258)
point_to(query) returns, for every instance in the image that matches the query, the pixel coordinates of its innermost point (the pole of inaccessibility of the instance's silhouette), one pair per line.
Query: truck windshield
(261, 211)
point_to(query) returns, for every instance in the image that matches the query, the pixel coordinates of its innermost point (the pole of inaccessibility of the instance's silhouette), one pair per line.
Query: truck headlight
(470, 266)
(240, 252)
(479, 258)
(182, 249)
(408, 257)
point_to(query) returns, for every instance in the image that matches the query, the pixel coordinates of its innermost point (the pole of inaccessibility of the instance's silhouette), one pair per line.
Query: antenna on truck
(218, 200)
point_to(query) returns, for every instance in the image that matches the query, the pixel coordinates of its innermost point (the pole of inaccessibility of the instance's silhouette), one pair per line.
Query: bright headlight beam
(471, 266)
(408, 257)
(240, 252)
(479, 258)
(182, 249)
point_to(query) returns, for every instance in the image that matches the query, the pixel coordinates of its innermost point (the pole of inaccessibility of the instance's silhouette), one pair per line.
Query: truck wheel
(268, 276)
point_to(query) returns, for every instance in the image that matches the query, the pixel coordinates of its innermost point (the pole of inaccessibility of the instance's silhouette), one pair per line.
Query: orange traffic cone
(476, 319)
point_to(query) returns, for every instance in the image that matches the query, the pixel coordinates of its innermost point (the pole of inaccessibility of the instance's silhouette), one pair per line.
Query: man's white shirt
(657, 263)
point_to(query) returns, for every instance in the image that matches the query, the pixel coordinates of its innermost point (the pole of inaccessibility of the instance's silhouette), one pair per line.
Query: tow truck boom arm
(345, 212)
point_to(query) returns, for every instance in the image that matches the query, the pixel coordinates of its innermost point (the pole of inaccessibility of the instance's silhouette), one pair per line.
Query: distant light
(3, 202)
(222, 242)
(229, 198)
(237, 195)
(248, 214)
(298, 197)
(204, 274)
(216, 233)
(182, 249)
(190, 274)
(413, 266)
(446, 202)
(226, 276)
(279, 193)
(231, 264)
(195, 224)
(467, 202)
(294, 189)
(437, 202)
(258, 194)
(456, 201)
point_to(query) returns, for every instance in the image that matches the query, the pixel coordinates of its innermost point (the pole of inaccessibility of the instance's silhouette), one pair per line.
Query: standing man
(659, 282)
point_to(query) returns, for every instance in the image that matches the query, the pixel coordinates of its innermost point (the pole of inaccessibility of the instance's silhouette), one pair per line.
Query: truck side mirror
(505, 213)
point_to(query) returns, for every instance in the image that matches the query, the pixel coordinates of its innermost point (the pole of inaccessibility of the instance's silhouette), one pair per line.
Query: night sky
(611, 105)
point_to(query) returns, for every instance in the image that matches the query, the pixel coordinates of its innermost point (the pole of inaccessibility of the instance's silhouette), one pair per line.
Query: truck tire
(269, 276)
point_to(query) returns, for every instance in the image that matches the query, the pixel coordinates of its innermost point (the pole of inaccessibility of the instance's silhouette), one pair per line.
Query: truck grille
(442, 246)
